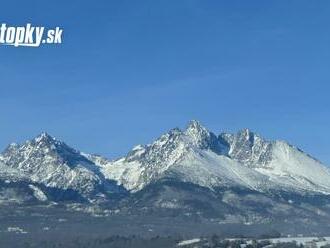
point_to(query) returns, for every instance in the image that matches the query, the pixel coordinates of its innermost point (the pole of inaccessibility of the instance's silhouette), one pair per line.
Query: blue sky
(128, 71)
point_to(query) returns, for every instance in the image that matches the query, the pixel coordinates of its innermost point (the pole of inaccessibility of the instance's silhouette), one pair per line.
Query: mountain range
(239, 177)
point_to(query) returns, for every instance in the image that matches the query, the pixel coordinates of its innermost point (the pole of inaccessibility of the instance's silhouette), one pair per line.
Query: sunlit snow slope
(198, 156)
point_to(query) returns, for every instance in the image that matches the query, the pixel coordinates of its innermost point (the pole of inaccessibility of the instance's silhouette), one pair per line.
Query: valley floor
(56, 226)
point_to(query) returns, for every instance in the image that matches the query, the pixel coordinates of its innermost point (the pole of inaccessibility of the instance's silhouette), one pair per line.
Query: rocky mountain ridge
(195, 155)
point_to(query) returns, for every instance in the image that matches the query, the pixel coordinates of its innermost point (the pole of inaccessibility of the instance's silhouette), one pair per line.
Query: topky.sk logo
(29, 36)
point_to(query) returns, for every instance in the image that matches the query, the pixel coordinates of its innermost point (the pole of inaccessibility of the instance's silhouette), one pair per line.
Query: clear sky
(128, 71)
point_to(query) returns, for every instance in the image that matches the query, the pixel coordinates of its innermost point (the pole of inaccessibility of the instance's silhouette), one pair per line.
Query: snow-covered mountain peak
(48, 143)
(44, 137)
(248, 148)
(201, 138)
(53, 163)
(247, 134)
(198, 134)
(195, 127)
(193, 155)
(44, 147)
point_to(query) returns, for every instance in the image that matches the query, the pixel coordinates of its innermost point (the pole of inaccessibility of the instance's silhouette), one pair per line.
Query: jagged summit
(247, 147)
(194, 154)
(247, 134)
(44, 137)
(196, 125)
(199, 156)
(53, 163)
(192, 172)
(197, 132)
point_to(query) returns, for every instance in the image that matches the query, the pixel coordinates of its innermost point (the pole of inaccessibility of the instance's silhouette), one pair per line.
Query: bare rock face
(248, 148)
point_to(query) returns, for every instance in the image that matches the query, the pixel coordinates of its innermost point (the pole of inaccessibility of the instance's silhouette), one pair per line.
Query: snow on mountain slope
(13, 190)
(291, 163)
(38, 194)
(248, 148)
(193, 155)
(286, 165)
(198, 156)
(211, 170)
(145, 164)
(52, 163)
(10, 174)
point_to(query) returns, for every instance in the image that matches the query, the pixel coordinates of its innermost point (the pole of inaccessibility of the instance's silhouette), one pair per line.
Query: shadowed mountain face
(235, 177)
